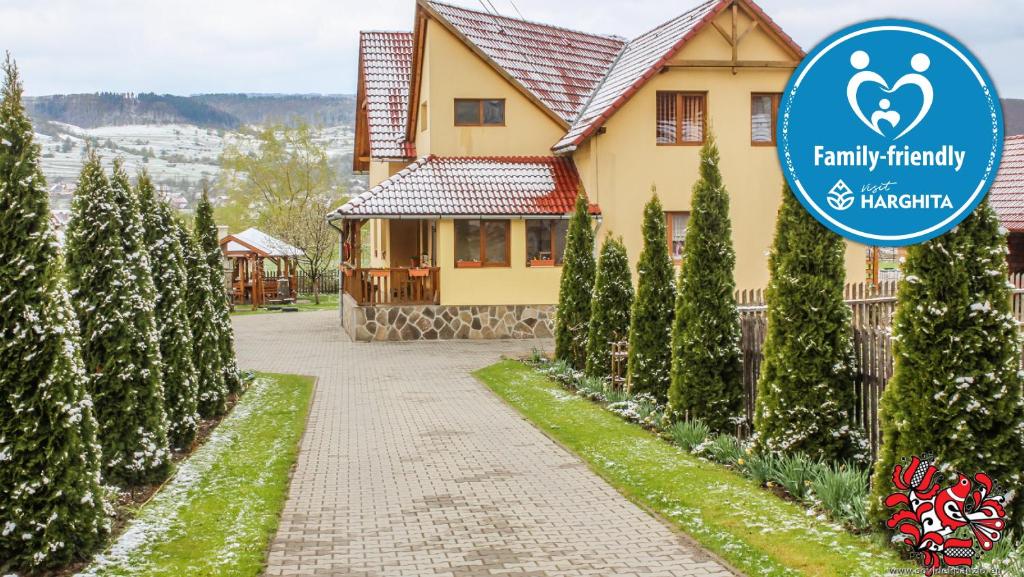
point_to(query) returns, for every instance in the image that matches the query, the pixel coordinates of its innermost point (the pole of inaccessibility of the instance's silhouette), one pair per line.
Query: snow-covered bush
(209, 247)
(956, 390)
(120, 346)
(203, 321)
(650, 329)
(52, 510)
(707, 370)
(805, 396)
(610, 307)
(576, 282)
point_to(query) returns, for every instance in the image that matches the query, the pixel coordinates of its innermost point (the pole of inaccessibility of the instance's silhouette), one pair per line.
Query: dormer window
(479, 112)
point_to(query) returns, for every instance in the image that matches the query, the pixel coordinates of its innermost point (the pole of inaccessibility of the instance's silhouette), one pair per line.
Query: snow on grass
(215, 516)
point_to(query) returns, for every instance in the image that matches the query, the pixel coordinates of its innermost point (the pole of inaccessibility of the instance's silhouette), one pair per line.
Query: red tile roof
(1007, 192)
(387, 63)
(560, 67)
(469, 186)
(642, 58)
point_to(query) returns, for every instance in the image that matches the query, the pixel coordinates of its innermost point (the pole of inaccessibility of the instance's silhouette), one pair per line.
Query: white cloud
(189, 46)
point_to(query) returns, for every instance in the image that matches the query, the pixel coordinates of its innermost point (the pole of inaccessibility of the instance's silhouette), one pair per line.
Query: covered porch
(404, 272)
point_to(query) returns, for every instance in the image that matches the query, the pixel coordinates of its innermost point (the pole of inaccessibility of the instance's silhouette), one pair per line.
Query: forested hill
(227, 111)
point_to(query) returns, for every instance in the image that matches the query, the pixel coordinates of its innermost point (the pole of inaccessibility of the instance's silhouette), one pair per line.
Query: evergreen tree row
(99, 381)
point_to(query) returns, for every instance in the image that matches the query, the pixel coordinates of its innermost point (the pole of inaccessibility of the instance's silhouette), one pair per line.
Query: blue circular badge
(891, 132)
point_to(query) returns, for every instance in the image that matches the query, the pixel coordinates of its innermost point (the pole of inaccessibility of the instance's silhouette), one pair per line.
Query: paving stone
(411, 467)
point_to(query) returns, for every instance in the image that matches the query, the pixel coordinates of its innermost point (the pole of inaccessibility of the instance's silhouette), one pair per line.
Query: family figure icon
(860, 60)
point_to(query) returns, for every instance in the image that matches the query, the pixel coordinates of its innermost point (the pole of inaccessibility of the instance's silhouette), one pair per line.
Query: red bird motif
(932, 514)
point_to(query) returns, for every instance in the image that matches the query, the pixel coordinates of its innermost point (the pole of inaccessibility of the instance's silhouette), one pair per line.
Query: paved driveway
(410, 467)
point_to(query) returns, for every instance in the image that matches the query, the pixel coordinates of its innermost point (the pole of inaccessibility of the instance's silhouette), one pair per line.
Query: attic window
(681, 118)
(479, 112)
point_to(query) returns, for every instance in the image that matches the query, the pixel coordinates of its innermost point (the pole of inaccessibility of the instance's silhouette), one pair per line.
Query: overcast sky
(310, 46)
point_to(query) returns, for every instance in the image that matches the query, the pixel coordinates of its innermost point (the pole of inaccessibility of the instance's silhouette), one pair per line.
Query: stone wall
(440, 322)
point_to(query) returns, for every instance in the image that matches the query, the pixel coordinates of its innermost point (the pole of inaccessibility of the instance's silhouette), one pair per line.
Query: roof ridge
(673, 19)
(597, 87)
(361, 32)
(528, 21)
(1013, 136)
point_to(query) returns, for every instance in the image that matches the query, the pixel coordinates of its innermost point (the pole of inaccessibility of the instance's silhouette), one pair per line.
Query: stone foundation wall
(441, 322)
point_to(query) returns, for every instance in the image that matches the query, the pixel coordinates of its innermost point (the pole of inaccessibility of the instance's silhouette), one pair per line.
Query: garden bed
(749, 527)
(215, 516)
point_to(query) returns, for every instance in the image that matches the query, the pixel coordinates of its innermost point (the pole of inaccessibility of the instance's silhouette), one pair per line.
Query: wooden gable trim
(360, 160)
(231, 237)
(422, 4)
(419, 44)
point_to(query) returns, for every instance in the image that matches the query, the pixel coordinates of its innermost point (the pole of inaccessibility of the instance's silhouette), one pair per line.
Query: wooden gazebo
(249, 252)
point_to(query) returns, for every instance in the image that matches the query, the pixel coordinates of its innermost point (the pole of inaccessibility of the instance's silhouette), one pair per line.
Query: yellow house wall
(619, 167)
(516, 284)
(450, 71)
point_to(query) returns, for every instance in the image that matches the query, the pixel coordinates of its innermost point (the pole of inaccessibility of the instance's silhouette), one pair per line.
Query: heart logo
(919, 63)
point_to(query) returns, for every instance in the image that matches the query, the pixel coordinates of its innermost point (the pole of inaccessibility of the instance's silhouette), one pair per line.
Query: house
(1007, 198)
(478, 130)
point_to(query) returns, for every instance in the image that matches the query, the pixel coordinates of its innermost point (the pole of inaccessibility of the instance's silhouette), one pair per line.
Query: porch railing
(393, 286)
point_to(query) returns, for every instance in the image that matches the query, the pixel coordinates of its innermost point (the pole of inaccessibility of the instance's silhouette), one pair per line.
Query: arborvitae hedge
(200, 299)
(168, 268)
(610, 307)
(650, 329)
(118, 347)
(956, 390)
(206, 236)
(707, 369)
(51, 503)
(574, 291)
(805, 396)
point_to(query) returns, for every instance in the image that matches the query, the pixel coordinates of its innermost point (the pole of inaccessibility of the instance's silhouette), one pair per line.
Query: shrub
(206, 351)
(725, 449)
(805, 396)
(613, 297)
(759, 466)
(591, 388)
(650, 329)
(575, 285)
(707, 370)
(689, 434)
(956, 390)
(794, 473)
(51, 502)
(842, 489)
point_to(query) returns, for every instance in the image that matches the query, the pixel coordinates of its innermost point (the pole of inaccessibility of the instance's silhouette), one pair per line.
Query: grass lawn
(215, 517)
(754, 530)
(305, 303)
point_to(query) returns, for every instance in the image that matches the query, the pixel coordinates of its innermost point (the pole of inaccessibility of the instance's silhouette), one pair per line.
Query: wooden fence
(872, 308)
(328, 282)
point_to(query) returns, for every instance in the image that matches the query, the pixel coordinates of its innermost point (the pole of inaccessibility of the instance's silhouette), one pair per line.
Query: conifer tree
(707, 371)
(956, 390)
(168, 269)
(203, 320)
(574, 289)
(805, 396)
(119, 344)
(610, 307)
(650, 329)
(51, 504)
(206, 235)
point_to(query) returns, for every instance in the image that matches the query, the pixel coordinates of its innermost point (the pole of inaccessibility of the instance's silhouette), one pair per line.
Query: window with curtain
(677, 222)
(481, 243)
(681, 117)
(545, 241)
(764, 111)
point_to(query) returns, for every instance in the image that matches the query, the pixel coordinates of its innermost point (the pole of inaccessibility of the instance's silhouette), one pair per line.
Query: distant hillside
(318, 110)
(1013, 115)
(226, 111)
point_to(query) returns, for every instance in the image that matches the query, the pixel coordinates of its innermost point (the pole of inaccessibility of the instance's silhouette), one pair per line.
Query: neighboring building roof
(560, 67)
(642, 58)
(252, 240)
(471, 186)
(386, 60)
(1007, 193)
